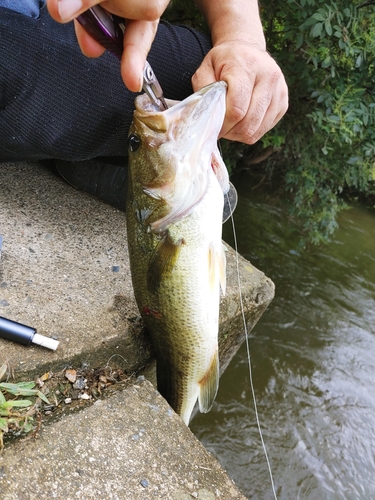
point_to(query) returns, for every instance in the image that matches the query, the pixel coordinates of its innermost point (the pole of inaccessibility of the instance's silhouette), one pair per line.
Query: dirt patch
(67, 391)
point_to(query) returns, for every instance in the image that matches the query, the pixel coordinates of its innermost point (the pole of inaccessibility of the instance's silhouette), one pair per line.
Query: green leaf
(327, 62)
(27, 392)
(6, 386)
(317, 30)
(43, 397)
(328, 27)
(299, 40)
(28, 427)
(318, 16)
(21, 389)
(2, 398)
(25, 385)
(22, 403)
(334, 118)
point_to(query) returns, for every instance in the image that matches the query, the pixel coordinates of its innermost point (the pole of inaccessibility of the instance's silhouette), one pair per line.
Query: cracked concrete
(64, 270)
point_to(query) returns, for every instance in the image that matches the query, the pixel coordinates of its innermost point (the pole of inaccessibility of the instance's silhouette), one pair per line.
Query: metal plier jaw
(108, 30)
(152, 87)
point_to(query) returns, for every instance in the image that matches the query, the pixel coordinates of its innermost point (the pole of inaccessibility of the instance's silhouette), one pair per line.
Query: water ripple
(313, 357)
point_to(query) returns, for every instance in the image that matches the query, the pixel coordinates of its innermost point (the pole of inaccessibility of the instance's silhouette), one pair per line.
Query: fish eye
(133, 142)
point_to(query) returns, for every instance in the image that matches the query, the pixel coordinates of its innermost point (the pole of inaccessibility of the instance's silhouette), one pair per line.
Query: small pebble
(84, 396)
(67, 400)
(144, 483)
(40, 382)
(71, 375)
(80, 383)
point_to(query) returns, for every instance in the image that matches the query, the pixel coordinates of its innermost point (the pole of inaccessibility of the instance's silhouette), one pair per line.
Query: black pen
(25, 335)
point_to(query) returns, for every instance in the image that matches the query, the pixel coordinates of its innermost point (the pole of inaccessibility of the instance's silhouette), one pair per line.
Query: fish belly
(181, 312)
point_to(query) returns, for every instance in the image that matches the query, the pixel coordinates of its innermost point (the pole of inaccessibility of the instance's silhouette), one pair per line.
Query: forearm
(233, 20)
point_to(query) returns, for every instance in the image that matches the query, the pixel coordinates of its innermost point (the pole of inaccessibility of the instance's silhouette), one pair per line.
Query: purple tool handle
(101, 27)
(108, 30)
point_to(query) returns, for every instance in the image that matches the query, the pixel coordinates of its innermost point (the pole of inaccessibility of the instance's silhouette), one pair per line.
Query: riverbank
(64, 270)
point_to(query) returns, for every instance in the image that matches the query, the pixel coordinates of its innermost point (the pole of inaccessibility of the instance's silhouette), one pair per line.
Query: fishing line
(249, 358)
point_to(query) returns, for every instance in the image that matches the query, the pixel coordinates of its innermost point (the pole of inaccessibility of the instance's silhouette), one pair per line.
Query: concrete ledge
(141, 450)
(64, 270)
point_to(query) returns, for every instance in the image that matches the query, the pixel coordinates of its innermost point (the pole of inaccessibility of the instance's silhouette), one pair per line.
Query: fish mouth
(182, 140)
(194, 124)
(202, 111)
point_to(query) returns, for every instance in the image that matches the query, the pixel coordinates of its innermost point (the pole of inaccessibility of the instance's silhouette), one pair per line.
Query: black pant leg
(56, 103)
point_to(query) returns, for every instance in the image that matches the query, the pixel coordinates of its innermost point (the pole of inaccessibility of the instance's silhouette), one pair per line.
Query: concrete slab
(141, 450)
(64, 270)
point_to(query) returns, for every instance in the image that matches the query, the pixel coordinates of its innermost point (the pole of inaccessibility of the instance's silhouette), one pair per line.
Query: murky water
(313, 357)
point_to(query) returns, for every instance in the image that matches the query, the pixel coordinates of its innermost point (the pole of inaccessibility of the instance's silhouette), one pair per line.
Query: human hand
(142, 21)
(257, 95)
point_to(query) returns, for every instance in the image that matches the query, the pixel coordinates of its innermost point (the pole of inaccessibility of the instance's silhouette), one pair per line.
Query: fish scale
(176, 255)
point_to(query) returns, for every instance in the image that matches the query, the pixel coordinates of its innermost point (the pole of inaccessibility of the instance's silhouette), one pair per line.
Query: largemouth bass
(176, 187)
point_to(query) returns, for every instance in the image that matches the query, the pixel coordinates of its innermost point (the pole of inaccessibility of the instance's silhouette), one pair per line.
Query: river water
(313, 362)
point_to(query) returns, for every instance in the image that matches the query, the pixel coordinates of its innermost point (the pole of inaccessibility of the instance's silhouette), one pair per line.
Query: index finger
(240, 91)
(88, 46)
(147, 10)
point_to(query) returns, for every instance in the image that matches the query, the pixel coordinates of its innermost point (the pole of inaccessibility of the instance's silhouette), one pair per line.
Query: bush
(327, 136)
(324, 148)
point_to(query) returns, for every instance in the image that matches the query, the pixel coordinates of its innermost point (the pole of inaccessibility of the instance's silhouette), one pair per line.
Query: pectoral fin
(163, 261)
(209, 386)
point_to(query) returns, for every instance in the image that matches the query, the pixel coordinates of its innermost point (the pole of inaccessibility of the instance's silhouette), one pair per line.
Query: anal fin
(209, 386)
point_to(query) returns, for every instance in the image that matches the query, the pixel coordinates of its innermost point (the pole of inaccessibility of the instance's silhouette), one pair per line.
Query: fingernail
(68, 8)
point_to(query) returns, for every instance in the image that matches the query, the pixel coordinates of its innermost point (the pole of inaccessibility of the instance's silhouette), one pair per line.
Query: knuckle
(153, 10)
(244, 134)
(249, 137)
(236, 113)
(276, 76)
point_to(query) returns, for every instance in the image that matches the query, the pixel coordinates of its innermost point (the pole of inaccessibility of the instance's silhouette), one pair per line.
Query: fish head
(173, 152)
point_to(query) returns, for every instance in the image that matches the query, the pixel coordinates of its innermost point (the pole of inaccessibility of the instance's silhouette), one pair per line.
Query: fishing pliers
(108, 30)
